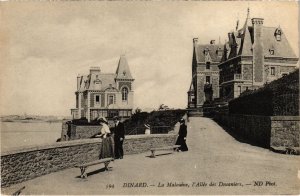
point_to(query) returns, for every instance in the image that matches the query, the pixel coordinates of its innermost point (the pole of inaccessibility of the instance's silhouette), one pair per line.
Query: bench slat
(165, 147)
(95, 162)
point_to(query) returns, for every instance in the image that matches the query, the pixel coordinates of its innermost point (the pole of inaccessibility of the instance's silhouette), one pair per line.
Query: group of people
(112, 143)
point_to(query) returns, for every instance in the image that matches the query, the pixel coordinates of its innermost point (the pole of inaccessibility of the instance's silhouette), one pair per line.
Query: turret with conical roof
(123, 71)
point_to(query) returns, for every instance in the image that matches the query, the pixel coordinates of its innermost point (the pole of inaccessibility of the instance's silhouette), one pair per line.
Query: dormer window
(278, 34)
(206, 51)
(97, 84)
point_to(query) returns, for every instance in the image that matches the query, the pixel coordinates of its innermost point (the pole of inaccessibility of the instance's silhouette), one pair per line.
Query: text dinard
(179, 184)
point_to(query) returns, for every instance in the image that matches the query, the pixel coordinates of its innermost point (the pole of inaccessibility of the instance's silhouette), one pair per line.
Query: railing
(237, 76)
(232, 77)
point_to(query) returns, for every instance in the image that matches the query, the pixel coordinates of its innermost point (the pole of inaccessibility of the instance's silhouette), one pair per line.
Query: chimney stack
(195, 41)
(95, 70)
(78, 81)
(258, 51)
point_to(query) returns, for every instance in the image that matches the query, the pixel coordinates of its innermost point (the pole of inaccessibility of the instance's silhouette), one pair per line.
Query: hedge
(278, 98)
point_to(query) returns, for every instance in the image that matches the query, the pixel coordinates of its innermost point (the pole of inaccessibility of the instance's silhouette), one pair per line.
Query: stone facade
(105, 94)
(265, 131)
(24, 164)
(205, 74)
(253, 56)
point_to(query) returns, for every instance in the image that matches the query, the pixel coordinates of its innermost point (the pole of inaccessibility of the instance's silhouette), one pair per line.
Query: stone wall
(285, 131)
(264, 131)
(27, 163)
(83, 132)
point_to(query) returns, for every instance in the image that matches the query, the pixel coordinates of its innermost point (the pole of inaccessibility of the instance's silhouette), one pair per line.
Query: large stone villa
(104, 94)
(253, 56)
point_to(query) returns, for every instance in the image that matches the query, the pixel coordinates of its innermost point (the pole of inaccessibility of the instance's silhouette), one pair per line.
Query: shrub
(279, 98)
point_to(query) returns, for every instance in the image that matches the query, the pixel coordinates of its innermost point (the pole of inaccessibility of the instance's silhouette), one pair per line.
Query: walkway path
(214, 156)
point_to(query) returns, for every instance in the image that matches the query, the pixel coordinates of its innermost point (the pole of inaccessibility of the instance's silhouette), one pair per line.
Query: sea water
(15, 135)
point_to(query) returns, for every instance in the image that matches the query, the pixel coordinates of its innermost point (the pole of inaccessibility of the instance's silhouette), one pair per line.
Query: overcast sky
(45, 45)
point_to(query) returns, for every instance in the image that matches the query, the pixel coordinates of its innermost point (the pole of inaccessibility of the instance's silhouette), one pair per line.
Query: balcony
(232, 77)
(237, 76)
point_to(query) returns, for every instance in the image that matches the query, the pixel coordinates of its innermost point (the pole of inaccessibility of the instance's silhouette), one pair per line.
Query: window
(271, 51)
(207, 65)
(277, 34)
(208, 79)
(124, 94)
(239, 90)
(110, 99)
(97, 99)
(272, 71)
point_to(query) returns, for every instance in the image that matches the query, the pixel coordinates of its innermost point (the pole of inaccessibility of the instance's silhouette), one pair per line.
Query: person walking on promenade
(181, 140)
(119, 137)
(107, 147)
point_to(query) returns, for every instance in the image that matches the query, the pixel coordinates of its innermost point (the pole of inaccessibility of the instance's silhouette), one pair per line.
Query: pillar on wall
(88, 112)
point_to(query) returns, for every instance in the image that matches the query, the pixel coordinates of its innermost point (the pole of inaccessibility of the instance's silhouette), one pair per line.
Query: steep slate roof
(88, 81)
(281, 48)
(212, 52)
(107, 80)
(245, 39)
(123, 71)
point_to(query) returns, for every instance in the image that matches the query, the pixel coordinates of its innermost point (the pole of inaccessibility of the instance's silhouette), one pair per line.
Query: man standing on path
(119, 138)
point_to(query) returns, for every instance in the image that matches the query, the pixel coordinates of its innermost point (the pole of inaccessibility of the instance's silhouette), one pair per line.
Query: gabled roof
(281, 48)
(104, 81)
(244, 38)
(89, 82)
(123, 71)
(212, 49)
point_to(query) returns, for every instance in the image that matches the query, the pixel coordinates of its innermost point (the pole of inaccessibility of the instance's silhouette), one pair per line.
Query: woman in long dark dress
(181, 140)
(107, 147)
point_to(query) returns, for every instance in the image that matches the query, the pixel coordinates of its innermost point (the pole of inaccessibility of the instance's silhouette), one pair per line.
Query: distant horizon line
(146, 109)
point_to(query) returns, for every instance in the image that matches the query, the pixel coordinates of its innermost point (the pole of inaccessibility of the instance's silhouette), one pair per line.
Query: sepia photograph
(149, 97)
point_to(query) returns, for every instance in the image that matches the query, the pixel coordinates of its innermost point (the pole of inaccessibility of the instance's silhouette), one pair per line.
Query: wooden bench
(174, 147)
(83, 166)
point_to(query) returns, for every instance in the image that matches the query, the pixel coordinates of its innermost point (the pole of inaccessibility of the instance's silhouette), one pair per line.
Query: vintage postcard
(149, 98)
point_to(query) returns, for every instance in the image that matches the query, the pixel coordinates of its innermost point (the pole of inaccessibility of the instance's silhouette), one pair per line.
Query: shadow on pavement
(157, 155)
(240, 138)
(95, 172)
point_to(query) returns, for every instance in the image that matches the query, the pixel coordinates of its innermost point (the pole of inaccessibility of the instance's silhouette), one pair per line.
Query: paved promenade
(214, 158)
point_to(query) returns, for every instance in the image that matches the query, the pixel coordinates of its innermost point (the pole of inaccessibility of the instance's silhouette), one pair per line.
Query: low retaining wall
(74, 132)
(264, 131)
(27, 163)
(285, 131)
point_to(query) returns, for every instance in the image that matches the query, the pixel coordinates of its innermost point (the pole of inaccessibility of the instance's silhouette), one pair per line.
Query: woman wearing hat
(107, 149)
(147, 131)
(181, 140)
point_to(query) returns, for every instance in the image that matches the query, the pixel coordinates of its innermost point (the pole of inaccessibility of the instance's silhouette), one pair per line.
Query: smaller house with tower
(104, 94)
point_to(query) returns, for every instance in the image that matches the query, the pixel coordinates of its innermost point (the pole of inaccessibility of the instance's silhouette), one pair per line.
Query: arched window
(124, 94)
